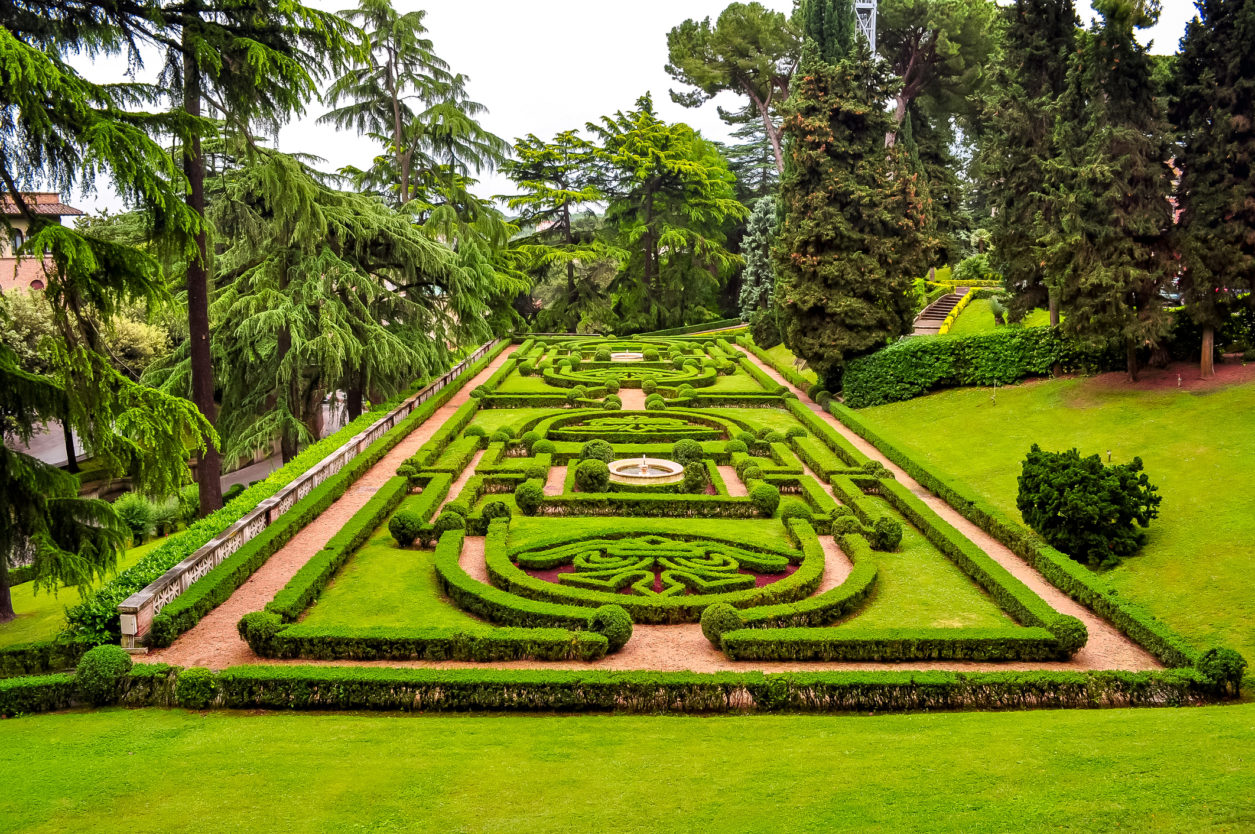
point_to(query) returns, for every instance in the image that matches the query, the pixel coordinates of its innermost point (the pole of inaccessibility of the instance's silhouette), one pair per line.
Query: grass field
(781, 355)
(1197, 570)
(977, 317)
(1075, 771)
(41, 615)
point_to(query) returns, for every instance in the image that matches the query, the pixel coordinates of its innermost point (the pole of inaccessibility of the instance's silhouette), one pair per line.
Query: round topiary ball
(496, 509)
(529, 438)
(526, 369)
(650, 354)
(543, 447)
(501, 436)
(196, 688)
(686, 451)
(718, 619)
(886, 534)
(734, 446)
(793, 508)
(748, 438)
(846, 525)
(1070, 632)
(458, 506)
(752, 473)
(795, 431)
(474, 431)
(528, 496)
(592, 476)
(649, 385)
(597, 450)
(449, 521)
(765, 498)
(658, 404)
(99, 674)
(773, 437)
(612, 386)
(614, 622)
(404, 527)
(602, 355)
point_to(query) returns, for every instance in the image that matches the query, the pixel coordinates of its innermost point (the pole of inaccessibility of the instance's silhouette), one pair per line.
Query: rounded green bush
(612, 386)
(535, 472)
(526, 369)
(529, 438)
(651, 355)
(614, 623)
(405, 527)
(602, 355)
(846, 525)
(496, 509)
(1224, 667)
(762, 433)
(752, 473)
(474, 431)
(685, 391)
(686, 451)
(258, 629)
(611, 405)
(543, 447)
(408, 471)
(694, 478)
(1071, 632)
(733, 446)
(794, 508)
(658, 404)
(795, 431)
(649, 385)
(765, 499)
(886, 534)
(744, 465)
(748, 438)
(449, 521)
(597, 450)
(99, 674)
(458, 506)
(773, 437)
(592, 476)
(528, 496)
(501, 436)
(196, 688)
(718, 619)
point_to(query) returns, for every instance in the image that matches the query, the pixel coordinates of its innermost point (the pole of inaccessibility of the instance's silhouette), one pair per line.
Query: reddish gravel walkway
(555, 481)
(736, 487)
(633, 399)
(214, 641)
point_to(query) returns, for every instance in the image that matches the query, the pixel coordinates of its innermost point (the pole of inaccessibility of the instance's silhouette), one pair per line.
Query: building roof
(47, 203)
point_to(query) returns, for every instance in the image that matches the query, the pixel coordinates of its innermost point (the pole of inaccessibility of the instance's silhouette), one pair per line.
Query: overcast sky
(543, 66)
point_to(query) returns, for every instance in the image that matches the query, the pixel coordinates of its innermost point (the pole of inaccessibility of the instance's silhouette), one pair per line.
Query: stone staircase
(929, 321)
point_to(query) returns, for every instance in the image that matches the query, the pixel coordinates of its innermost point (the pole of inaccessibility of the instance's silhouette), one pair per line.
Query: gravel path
(633, 399)
(555, 481)
(736, 487)
(214, 642)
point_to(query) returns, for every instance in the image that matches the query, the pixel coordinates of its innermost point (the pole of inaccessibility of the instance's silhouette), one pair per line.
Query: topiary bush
(496, 509)
(1225, 667)
(449, 521)
(886, 534)
(846, 525)
(795, 431)
(794, 508)
(258, 629)
(529, 438)
(458, 506)
(773, 437)
(1070, 631)
(526, 369)
(733, 446)
(528, 496)
(501, 436)
(686, 451)
(602, 355)
(474, 431)
(597, 450)
(1087, 510)
(612, 386)
(765, 498)
(655, 402)
(614, 623)
(649, 385)
(99, 674)
(543, 447)
(650, 354)
(196, 688)
(718, 619)
(694, 478)
(751, 473)
(405, 527)
(535, 472)
(748, 439)
(576, 394)
(592, 476)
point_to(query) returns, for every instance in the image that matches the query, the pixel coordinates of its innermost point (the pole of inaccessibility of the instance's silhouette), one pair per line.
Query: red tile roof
(45, 203)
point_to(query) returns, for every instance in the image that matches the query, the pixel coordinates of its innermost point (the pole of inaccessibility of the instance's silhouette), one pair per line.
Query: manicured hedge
(791, 374)
(912, 367)
(40, 657)
(96, 619)
(692, 328)
(488, 645)
(42, 693)
(891, 645)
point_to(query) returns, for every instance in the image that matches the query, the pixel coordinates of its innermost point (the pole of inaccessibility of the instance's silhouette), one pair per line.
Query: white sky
(543, 66)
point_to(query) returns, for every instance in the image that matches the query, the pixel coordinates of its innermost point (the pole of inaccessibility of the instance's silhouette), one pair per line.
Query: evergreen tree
(1215, 105)
(844, 277)
(669, 192)
(758, 280)
(752, 161)
(830, 26)
(1017, 143)
(1108, 251)
(750, 51)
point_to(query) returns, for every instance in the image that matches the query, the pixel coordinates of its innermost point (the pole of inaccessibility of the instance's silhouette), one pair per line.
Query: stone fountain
(646, 471)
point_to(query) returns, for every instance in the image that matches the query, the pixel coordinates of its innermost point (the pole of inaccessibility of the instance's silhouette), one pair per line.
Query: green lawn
(383, 585)
(518, 384)
(1197, 570)
(494, 418)
(1150, 770)
(759, 418)
(784, 357)
(738, 383)
(977, 317)
(40, 616)
(524, 530)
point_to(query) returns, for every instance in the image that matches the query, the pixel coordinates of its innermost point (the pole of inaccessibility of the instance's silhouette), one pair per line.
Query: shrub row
(1072, 578)
(97, 618)
(691, 328)
(824, 608)
(912, 367)
(892, 645)
(43, 656)
(314, 575)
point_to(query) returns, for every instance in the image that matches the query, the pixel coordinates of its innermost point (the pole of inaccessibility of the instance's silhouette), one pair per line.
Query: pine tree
(1017, 143)
(843, 277)
(759, 277)
(829, 25)
(1215, 105)
(1109, 251)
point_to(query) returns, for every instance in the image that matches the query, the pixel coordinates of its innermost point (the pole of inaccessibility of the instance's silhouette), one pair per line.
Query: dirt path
(555, 481)
(633, 399)
(214, 641)
(455, 489)
(1107, 647)
(736, 487)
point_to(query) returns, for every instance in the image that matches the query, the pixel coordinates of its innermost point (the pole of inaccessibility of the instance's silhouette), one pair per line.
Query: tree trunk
(71, 458)
(1206, 365)
(1131, 358)
(899, 113)
(209, 470)
(6, 597)
(1054, 307)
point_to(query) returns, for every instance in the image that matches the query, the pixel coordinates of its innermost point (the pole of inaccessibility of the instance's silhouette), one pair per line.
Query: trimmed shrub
(846, 525)
(459, 506)
(529, 438)
(526, 369)
(592, 475)
(474, 431)
(259, 629)
(602, 355)
(686, 451)
(694, 478)
(795, 431)
(536, 472)
(655, 403)
(597, 450)
(528, 496)
(196, 688)
(449, 521)
(614, 623)
(649, 385)
(773, 437)
(717, 619)
(1225, 667)
(501, 436)
(734, 446)
(543, 447)
(749, 439)
(886, 534)
(1070, 632)
(496, 509)
(751, 473)
(612, 386)
(405, 527)
(765, 499)
(793, 508)
(100, 673)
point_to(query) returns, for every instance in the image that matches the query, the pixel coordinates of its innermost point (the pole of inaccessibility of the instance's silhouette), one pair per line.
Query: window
(37, 284)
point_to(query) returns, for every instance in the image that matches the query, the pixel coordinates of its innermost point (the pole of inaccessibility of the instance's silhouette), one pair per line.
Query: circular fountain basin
(627, 356)
(646, 471)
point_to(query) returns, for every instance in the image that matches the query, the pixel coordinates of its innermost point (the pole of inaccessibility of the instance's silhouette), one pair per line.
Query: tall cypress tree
(830, 26)
(1214, 107)
(759, 277)
(1109, 252)
(1018, 142)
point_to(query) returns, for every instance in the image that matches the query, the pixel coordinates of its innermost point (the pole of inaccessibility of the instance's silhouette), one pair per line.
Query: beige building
(27, 272)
